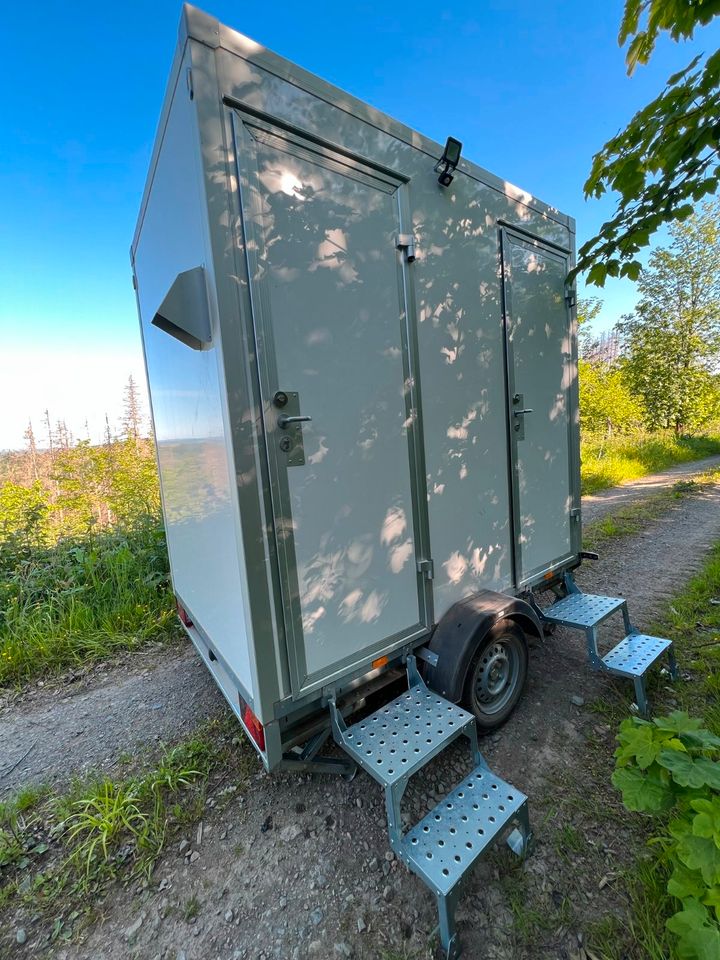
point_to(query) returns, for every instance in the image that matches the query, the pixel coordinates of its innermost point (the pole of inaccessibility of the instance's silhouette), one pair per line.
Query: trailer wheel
(497, 675)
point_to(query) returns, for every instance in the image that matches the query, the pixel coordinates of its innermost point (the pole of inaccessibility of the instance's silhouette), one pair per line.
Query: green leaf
(699, 853)
(639, 744)
(686, 883)
(687, 772)
(643, 791)
(677, 722)
(699, 937)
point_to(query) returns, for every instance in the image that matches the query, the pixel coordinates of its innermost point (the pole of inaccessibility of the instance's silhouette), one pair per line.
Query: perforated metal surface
(582, 609)
(635, 654)
(443, 846)
(402, 736)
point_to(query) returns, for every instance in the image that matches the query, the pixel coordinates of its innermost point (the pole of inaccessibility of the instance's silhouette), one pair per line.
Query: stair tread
(582, 609)
(448, 841)
(401, 737)
(635, 654)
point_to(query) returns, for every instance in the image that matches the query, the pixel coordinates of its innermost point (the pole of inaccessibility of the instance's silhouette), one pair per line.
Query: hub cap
(496, 675)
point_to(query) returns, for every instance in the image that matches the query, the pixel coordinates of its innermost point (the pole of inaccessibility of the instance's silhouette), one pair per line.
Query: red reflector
(182, 613)
(254, 727)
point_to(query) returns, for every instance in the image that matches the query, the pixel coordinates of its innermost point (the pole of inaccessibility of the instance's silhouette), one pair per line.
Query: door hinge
(427, 567)
(575, 513)
(571, 298)
(189, 81)
(406, 242)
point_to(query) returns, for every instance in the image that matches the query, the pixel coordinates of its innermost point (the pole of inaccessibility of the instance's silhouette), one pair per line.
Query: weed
(191, 909)
(569, 840)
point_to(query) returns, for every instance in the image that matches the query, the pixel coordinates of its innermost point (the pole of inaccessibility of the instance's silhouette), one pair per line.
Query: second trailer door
(541, 378)
(330, 310)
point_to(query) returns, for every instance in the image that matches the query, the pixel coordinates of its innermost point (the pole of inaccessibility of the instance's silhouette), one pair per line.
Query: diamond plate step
(582, 610)
(403, 736)
(634, 655)
(448, 841)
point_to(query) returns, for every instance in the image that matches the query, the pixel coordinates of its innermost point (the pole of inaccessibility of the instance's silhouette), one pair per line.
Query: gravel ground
(322, 882)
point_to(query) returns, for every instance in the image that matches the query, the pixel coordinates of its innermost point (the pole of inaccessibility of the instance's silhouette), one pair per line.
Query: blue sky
(532, 89)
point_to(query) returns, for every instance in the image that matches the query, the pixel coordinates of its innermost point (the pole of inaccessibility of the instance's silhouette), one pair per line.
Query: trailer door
(329, 291)
(541, 404)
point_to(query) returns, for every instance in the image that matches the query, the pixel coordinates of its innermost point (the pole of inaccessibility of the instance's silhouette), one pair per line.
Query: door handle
(526, 410)
(284, 421)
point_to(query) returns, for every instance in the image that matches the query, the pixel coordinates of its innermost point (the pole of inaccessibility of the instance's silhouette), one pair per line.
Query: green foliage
(666, 160)
(673, 764)
(607, 403)
(81, 598)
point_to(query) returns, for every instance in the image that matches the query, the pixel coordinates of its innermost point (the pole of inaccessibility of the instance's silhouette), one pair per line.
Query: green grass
(63, 852)
(692, 620)
(81, 599)
(606, 463)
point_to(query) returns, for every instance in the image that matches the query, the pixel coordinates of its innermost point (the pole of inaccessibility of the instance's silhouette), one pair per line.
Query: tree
(667, 159)
(132, 421)
(672, 342)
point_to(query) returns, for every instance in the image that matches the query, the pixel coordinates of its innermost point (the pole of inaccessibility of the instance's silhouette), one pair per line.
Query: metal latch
(427, 567)
(571, 298)
(575, 513)
(406, 242)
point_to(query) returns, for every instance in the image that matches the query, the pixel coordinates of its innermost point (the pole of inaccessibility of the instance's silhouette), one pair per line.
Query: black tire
(496, 676)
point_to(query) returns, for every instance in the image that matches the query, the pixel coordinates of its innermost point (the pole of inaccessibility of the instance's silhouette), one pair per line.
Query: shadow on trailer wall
(364, 396)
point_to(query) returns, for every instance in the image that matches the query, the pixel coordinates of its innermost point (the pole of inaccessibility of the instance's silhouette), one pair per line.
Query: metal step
(634, 655)
(448, 841)
(403, 736)
(397, 741)
(582, 610)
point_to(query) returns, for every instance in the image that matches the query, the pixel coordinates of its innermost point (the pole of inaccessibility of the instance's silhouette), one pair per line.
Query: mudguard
(460, 631)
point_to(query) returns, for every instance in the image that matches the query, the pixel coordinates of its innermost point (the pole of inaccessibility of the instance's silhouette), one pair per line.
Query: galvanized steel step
(634, 655)
(403, 736)
(582, 610)
(448, 841)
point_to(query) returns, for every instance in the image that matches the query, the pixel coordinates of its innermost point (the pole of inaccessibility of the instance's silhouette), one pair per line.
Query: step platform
(582, 610)
(403, 736)
(448, 841)
(635, 654)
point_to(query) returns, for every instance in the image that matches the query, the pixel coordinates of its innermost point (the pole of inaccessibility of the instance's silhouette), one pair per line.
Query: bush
(670, 768)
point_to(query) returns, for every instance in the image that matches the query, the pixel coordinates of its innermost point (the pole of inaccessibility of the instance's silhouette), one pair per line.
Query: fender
(462, 628)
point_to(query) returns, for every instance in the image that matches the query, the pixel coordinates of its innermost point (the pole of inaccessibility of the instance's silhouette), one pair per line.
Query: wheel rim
(496, 676)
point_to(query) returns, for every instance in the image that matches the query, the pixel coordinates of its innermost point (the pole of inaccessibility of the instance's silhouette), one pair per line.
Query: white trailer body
(294, 241)
(363, 381)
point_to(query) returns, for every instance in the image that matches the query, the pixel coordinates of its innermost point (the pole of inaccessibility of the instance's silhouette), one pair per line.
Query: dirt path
(597, 505)
(322, 883)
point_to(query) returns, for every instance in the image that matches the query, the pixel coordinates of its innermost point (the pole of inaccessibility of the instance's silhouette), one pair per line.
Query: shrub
(669, 768)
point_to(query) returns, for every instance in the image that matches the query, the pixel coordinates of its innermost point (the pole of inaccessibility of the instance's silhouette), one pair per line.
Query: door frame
(509, 234)
(248, 126)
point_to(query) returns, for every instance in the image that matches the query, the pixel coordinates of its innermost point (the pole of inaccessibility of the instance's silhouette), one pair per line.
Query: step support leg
(521, 837)
(672, 664)
(393, 798)
(592, 645)
(641, 697)
(446, 915)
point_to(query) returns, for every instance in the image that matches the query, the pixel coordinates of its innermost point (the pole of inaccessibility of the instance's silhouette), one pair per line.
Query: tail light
(182, 613)
(253, 726)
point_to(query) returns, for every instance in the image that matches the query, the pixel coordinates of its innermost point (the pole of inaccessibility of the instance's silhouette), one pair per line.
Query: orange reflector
(549, 575)
(380, 662)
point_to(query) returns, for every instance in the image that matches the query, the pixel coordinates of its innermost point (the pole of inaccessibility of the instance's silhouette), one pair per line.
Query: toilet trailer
(361, 358)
